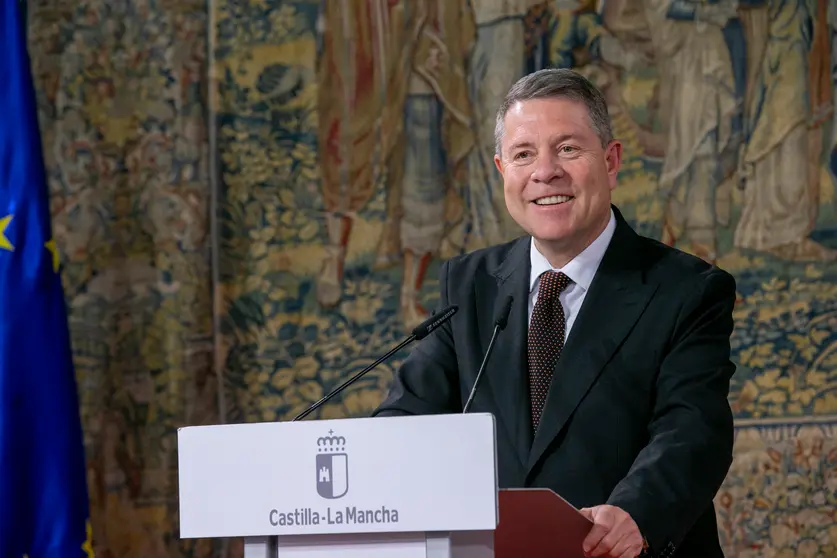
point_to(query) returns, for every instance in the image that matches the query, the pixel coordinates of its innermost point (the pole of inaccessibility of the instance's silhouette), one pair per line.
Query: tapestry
(122, 89)
(241, 232)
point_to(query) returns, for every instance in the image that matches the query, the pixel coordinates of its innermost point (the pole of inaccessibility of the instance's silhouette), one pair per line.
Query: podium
(406, 487)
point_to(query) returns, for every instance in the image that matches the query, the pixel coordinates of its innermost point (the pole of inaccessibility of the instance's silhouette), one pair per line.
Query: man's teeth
(553, 200)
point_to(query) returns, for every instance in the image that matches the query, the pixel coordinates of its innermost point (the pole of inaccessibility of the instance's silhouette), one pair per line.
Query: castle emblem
(332, 466)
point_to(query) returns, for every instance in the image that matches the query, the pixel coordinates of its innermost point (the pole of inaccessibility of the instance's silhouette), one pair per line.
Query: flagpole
(24, 18)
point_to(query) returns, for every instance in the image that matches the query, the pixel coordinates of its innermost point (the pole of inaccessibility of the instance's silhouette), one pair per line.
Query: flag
(43, 489)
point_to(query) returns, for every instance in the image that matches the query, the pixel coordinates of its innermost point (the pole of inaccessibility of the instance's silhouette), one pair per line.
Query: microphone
(419, 332)
(501, 318)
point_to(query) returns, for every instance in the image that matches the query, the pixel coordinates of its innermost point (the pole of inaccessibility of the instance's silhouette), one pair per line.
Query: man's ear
(498, 162)
(613, 157)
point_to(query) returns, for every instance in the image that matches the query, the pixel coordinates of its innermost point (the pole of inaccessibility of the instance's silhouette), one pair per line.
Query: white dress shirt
(580, 269)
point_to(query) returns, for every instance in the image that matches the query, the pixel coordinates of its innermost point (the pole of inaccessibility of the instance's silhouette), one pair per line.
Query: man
(632, 422)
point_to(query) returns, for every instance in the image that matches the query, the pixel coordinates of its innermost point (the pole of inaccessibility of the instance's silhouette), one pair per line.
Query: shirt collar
(580, 269)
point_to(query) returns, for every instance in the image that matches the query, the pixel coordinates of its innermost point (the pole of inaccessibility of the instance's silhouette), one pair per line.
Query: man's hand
(614, 533)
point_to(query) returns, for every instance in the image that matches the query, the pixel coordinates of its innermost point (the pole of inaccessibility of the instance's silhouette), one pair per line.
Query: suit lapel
(505, 374)
(618, 295)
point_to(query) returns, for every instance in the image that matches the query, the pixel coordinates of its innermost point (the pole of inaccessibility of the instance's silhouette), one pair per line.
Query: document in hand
(537, 522)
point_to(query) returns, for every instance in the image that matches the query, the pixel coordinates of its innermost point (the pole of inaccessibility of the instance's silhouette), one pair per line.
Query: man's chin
(552, 231)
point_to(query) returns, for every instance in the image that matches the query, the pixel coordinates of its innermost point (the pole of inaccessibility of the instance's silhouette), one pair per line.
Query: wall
(344, 152)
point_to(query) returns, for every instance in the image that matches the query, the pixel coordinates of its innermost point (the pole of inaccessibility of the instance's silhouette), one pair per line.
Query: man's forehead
(565, 123)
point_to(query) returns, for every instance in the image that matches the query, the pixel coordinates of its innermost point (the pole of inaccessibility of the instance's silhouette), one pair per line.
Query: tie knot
(554, 282)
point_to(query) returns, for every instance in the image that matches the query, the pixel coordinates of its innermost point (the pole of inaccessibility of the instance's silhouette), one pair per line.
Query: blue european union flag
(43, 488)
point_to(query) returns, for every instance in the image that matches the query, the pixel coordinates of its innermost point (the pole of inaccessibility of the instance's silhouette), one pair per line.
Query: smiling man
(610, 382)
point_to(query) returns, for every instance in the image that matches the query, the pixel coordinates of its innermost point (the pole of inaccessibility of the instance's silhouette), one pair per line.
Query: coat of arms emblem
(332, 466)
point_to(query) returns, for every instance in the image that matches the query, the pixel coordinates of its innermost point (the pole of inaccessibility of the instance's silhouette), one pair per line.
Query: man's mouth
(553, 200)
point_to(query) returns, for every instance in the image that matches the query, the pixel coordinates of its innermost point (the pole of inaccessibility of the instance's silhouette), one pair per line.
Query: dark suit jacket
(637, 415)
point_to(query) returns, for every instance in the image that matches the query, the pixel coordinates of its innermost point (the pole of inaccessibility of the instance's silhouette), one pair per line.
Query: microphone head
(501, 318)
(427, 326)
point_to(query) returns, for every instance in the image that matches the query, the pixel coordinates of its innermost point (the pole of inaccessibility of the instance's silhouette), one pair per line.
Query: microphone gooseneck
(419, 332)
(501, 318)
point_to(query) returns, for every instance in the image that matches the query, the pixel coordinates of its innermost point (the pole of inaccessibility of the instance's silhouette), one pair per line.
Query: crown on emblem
(331, 443)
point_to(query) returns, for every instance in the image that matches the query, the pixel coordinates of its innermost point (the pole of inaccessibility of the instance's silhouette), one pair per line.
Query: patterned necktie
(546, 339)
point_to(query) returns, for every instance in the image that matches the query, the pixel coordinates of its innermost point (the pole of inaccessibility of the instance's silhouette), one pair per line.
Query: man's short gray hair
(557, 83)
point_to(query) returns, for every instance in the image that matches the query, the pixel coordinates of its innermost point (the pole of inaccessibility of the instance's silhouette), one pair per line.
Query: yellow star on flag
(88, 544)
(4, 241)
(56, 257)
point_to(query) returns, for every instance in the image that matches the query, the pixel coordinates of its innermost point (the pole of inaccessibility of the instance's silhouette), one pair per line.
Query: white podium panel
(349, 479)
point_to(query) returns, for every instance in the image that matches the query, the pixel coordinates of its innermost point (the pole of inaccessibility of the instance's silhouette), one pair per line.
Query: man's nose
(547, 168)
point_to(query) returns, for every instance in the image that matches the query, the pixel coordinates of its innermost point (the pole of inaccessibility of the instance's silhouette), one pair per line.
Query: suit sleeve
(427, 382)
(676, 476)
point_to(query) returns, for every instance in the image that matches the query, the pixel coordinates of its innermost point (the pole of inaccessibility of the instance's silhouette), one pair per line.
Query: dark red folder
(538, 523)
